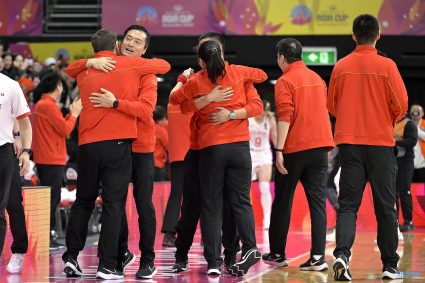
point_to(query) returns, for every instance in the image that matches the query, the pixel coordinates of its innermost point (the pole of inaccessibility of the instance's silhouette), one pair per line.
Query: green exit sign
(324, 56)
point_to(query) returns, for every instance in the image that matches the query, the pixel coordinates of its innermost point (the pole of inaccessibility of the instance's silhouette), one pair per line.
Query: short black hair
(159, 113)
(365, 28)
(141, 28)
(213, 36)
(291, 49)
(104, 40)
(50, 82)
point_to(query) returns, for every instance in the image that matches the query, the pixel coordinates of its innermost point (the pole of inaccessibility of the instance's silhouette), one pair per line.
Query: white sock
(266, 199)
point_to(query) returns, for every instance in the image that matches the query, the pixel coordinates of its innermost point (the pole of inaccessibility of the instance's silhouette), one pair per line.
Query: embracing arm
(254, 107)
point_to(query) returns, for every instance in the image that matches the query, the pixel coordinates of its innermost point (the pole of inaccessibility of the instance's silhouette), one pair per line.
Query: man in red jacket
(304, 136)
(367, 96)
(49, 140)
(105, 137)
(179, 132)
(135, 43)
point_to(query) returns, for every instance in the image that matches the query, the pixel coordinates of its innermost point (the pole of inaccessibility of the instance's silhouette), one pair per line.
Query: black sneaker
(169, 240)
(389, 272)
(275, 259)
(129, 258)
(341, 269)
(180, 266)
(72, 268)
(146, 271)
(229, 261)
(408, 226)
(313, 264)
(109, 274)
(250, 258)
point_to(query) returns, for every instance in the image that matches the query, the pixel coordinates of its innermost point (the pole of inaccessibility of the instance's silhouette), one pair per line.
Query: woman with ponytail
(223, 141)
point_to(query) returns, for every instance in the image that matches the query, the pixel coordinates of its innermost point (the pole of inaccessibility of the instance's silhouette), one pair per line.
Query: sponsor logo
(146, 16)
(178, 17)
(301, 15)
(314, 262)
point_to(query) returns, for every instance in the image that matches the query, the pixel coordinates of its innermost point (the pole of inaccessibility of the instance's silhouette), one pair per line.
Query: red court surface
(365, 265)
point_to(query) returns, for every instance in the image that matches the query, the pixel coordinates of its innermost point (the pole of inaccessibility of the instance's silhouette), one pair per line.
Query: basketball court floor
(365, 264)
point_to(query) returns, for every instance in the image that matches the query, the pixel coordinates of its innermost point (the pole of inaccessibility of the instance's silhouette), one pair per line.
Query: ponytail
(210, 52)
(49, 82)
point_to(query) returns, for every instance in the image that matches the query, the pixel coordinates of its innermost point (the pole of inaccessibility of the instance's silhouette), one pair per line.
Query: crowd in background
(29, 72)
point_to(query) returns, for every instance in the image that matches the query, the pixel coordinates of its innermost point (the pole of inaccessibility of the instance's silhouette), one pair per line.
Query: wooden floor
(365, 264)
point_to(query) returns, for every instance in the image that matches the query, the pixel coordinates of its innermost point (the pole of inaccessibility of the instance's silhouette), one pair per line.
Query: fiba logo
(146, 16)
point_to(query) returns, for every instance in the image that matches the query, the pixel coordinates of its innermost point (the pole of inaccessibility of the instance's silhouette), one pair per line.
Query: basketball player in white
(262, 130)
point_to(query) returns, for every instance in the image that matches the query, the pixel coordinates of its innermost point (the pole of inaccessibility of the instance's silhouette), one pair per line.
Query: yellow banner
(310, 17)
(70, 50)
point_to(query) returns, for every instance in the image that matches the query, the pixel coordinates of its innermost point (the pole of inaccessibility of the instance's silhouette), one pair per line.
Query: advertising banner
(68, 51)
(262, 17)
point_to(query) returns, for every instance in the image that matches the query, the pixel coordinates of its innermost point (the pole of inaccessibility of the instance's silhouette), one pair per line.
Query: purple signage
(21, 17)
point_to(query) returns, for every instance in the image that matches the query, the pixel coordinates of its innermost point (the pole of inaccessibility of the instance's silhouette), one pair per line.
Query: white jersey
(12, 104)
(259, 135)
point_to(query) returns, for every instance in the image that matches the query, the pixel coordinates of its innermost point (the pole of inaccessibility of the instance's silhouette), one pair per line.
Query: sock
(266, 199)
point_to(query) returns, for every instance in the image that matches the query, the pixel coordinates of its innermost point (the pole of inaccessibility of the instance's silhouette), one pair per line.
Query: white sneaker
(15, 264)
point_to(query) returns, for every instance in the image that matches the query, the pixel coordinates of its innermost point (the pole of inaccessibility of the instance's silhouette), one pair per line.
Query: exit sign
(324, 56)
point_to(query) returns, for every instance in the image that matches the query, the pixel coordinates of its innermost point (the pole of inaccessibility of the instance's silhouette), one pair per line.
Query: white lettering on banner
(178, 18)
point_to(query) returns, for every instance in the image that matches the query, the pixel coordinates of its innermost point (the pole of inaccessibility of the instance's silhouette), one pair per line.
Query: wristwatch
(232, 115)
(115, 104)
(27, 150)
(16, 134)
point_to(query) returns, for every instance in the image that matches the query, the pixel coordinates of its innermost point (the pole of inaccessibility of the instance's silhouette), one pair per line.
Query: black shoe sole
(179, 270)
(71, 273)
(241, 268)
(340, 271)
(150, 276)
